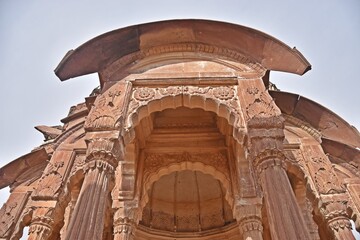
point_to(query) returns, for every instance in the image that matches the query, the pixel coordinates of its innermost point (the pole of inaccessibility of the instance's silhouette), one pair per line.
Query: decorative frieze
(221, 95)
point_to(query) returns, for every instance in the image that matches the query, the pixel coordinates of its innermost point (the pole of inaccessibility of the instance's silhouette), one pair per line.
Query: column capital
(265, 140)
(123, 223)
(333, 208)
(41, 223)
(268, 158)
(251, 224)
(249, 217)
(105, 149)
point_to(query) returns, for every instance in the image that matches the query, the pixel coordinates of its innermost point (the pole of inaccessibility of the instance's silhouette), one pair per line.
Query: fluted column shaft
(87, 220)
(283, 212)
(265, 141)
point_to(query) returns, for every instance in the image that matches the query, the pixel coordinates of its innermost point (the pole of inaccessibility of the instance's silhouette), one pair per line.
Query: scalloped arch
(230, 113)
(186, 165)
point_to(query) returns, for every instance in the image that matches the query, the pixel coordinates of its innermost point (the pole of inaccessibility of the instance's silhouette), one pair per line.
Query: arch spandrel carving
(221, 100)
(108, 110)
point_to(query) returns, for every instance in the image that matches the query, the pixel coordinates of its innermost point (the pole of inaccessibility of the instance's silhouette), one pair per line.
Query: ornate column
(333, 209)
(123, 221)
(41, 224)
(333, 199)
(249, 218)
(265, 145)
(87, 221)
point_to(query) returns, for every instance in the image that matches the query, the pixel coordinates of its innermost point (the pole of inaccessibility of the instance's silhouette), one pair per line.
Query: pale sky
(35, 35)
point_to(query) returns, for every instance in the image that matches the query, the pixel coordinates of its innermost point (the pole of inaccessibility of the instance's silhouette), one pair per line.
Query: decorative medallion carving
(224, 93)
(262, 105)
(108, 108)
(144, 94)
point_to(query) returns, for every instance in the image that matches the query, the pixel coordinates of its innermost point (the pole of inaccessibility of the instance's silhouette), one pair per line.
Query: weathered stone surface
(184, 140)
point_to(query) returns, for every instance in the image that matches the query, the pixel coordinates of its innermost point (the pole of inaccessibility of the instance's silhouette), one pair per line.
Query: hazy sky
(35, 35)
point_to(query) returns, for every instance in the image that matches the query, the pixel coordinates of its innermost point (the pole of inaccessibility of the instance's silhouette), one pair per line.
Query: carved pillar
(87, 221)
(333, 197)
(41, 224)
(250, 224)
(123, 221)
(333, 210)
(265, 141)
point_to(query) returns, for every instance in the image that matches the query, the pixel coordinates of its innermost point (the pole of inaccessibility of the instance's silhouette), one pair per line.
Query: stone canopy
(186, 138)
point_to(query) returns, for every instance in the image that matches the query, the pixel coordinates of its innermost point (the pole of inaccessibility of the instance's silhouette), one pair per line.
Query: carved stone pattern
(155, 161)
(7, 216)
(269, 158)
(105, 113)
(144, 94)
(213, 219)
(100, 165)
(40, 231)
(303, 125)
(334, 210)
(222, 94)
(251, 225)
(103, 149)
(187, 223)
(184, 47)
(170, 91)
(123, 225)
(79, 163)
(162, 220)
(50, 183)
(325, 177)
(41, 223)
(262, 105)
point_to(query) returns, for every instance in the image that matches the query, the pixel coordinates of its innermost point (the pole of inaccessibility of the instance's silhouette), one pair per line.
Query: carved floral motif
(50, 182)
(220, 94)
(325, 177)
(223, 93)
(144, 94)
(107, 109)
(259, 103)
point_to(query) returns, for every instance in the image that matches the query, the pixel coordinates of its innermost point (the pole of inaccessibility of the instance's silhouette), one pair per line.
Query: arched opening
(186, 202)
(185, 178)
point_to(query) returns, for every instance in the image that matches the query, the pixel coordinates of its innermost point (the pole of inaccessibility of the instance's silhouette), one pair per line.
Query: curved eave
(101, 51)
(340, 150)
(11, 171)
(328, 123)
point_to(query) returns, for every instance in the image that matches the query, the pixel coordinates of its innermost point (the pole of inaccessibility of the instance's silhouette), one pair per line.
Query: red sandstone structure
(187, 139)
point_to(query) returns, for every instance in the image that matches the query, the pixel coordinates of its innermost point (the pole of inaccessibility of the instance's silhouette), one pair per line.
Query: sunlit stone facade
(186, 138)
